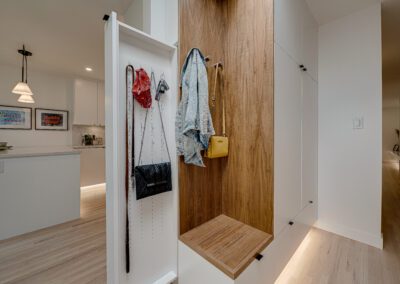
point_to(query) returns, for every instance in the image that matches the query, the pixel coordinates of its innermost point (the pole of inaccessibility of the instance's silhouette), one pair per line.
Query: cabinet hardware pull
(259, 256)
(304, 69)
(301, 66)
(291, 223)
(311, 202)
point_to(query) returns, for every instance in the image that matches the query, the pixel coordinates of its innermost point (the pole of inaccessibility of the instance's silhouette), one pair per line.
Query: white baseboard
(360, 236)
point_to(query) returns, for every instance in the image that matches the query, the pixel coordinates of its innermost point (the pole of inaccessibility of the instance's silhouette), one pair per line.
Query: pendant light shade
(28, 99)
(22, 88)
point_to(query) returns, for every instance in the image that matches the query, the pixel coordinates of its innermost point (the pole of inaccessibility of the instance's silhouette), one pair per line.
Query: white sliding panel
(309, 140)
(287, 181)
(153, 220)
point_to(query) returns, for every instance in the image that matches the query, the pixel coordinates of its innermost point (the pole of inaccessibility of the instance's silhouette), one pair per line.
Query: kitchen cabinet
(89, 102)
(92, 165)
(100, 104)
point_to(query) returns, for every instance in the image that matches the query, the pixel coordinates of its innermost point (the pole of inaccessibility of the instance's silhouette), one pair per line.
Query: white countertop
(20, 152)
(88, 146)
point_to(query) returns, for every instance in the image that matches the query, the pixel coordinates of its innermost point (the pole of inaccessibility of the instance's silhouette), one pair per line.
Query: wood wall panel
(249, 85)
(200, 189)
(240, 33)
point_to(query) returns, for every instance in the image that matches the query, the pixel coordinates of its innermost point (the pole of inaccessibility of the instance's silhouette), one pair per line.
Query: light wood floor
(327, 258)
(73, 252)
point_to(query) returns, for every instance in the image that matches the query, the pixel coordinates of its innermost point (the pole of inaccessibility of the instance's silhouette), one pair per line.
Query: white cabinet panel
(310, 44)
(85, 102)
(296, 32)
(288, 26)
(288, 115)
(100, 104)
(92, 166)
(309, 140)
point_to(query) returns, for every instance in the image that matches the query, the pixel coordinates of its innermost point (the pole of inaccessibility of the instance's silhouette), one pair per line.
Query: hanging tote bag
(219, 145)
(141, 88)
(153, 179)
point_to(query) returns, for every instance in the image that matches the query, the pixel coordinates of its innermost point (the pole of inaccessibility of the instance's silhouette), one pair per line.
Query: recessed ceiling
(326, 11)
(64, 36)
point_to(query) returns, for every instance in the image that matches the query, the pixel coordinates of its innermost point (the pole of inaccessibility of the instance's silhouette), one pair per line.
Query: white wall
(350, 85)
(51, 91)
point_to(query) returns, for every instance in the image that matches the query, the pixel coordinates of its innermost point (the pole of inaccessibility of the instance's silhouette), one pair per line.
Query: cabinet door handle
(311, 202)
(291, 223)
(258, 256)
(301, 66)
(304, 69)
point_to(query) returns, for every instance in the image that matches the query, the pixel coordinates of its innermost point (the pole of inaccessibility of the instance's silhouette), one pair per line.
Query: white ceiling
(64, 36)
(326, 11)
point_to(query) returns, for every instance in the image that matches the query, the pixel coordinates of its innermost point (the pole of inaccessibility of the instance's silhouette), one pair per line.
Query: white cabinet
(88, 102)
(92, 166)
(310, 44)
(296, 31)
(288, 26)
(309, 140)
(288, 116)
(100, 104)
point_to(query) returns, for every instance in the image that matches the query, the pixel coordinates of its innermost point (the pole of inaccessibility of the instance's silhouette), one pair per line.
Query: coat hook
(219, 64)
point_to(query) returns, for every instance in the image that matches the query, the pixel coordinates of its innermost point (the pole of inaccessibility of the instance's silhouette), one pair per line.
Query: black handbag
(152, 179)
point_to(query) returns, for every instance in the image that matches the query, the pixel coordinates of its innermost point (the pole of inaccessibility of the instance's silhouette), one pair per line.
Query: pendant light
(22, 88)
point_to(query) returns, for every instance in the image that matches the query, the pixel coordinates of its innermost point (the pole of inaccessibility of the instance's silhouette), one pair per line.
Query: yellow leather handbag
(219, 145)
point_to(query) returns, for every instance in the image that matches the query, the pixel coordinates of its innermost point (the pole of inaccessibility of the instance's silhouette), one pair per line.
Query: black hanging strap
(129, 69)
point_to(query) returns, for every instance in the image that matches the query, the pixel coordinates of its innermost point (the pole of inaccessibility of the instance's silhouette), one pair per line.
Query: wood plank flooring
(73, 252)
(327, 258)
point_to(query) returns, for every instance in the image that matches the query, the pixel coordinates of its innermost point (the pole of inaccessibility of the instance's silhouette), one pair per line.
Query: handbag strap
(129, 69)
(222, 96)
(153, 90)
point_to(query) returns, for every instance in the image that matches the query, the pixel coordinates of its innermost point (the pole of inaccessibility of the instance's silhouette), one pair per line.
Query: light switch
(358, 123)
(1, 167)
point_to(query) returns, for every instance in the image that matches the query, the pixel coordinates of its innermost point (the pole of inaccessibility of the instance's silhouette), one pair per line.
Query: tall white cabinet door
(287, 192)
(310, 44)
(100, 104)
(85, 102)
(309, 140)
(288, 26)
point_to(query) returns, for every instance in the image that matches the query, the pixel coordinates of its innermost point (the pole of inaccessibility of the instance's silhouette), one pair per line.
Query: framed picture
(13, 117)
(51, 119)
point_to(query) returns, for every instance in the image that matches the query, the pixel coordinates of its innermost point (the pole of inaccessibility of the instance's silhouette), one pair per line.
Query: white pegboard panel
(153, 220)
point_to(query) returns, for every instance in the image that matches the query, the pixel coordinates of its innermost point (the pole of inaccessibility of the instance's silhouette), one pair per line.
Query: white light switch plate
(1, 167)
(358, 123)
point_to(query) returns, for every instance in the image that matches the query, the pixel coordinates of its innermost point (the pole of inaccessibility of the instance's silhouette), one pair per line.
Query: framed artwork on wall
(15, 118)
(51, 119)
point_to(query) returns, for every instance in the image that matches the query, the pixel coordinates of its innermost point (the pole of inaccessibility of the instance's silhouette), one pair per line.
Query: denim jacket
(193, 126)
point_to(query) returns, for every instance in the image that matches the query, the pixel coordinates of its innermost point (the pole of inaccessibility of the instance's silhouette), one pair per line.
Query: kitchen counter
(21, 152)
(88, 146)
(39, 188)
